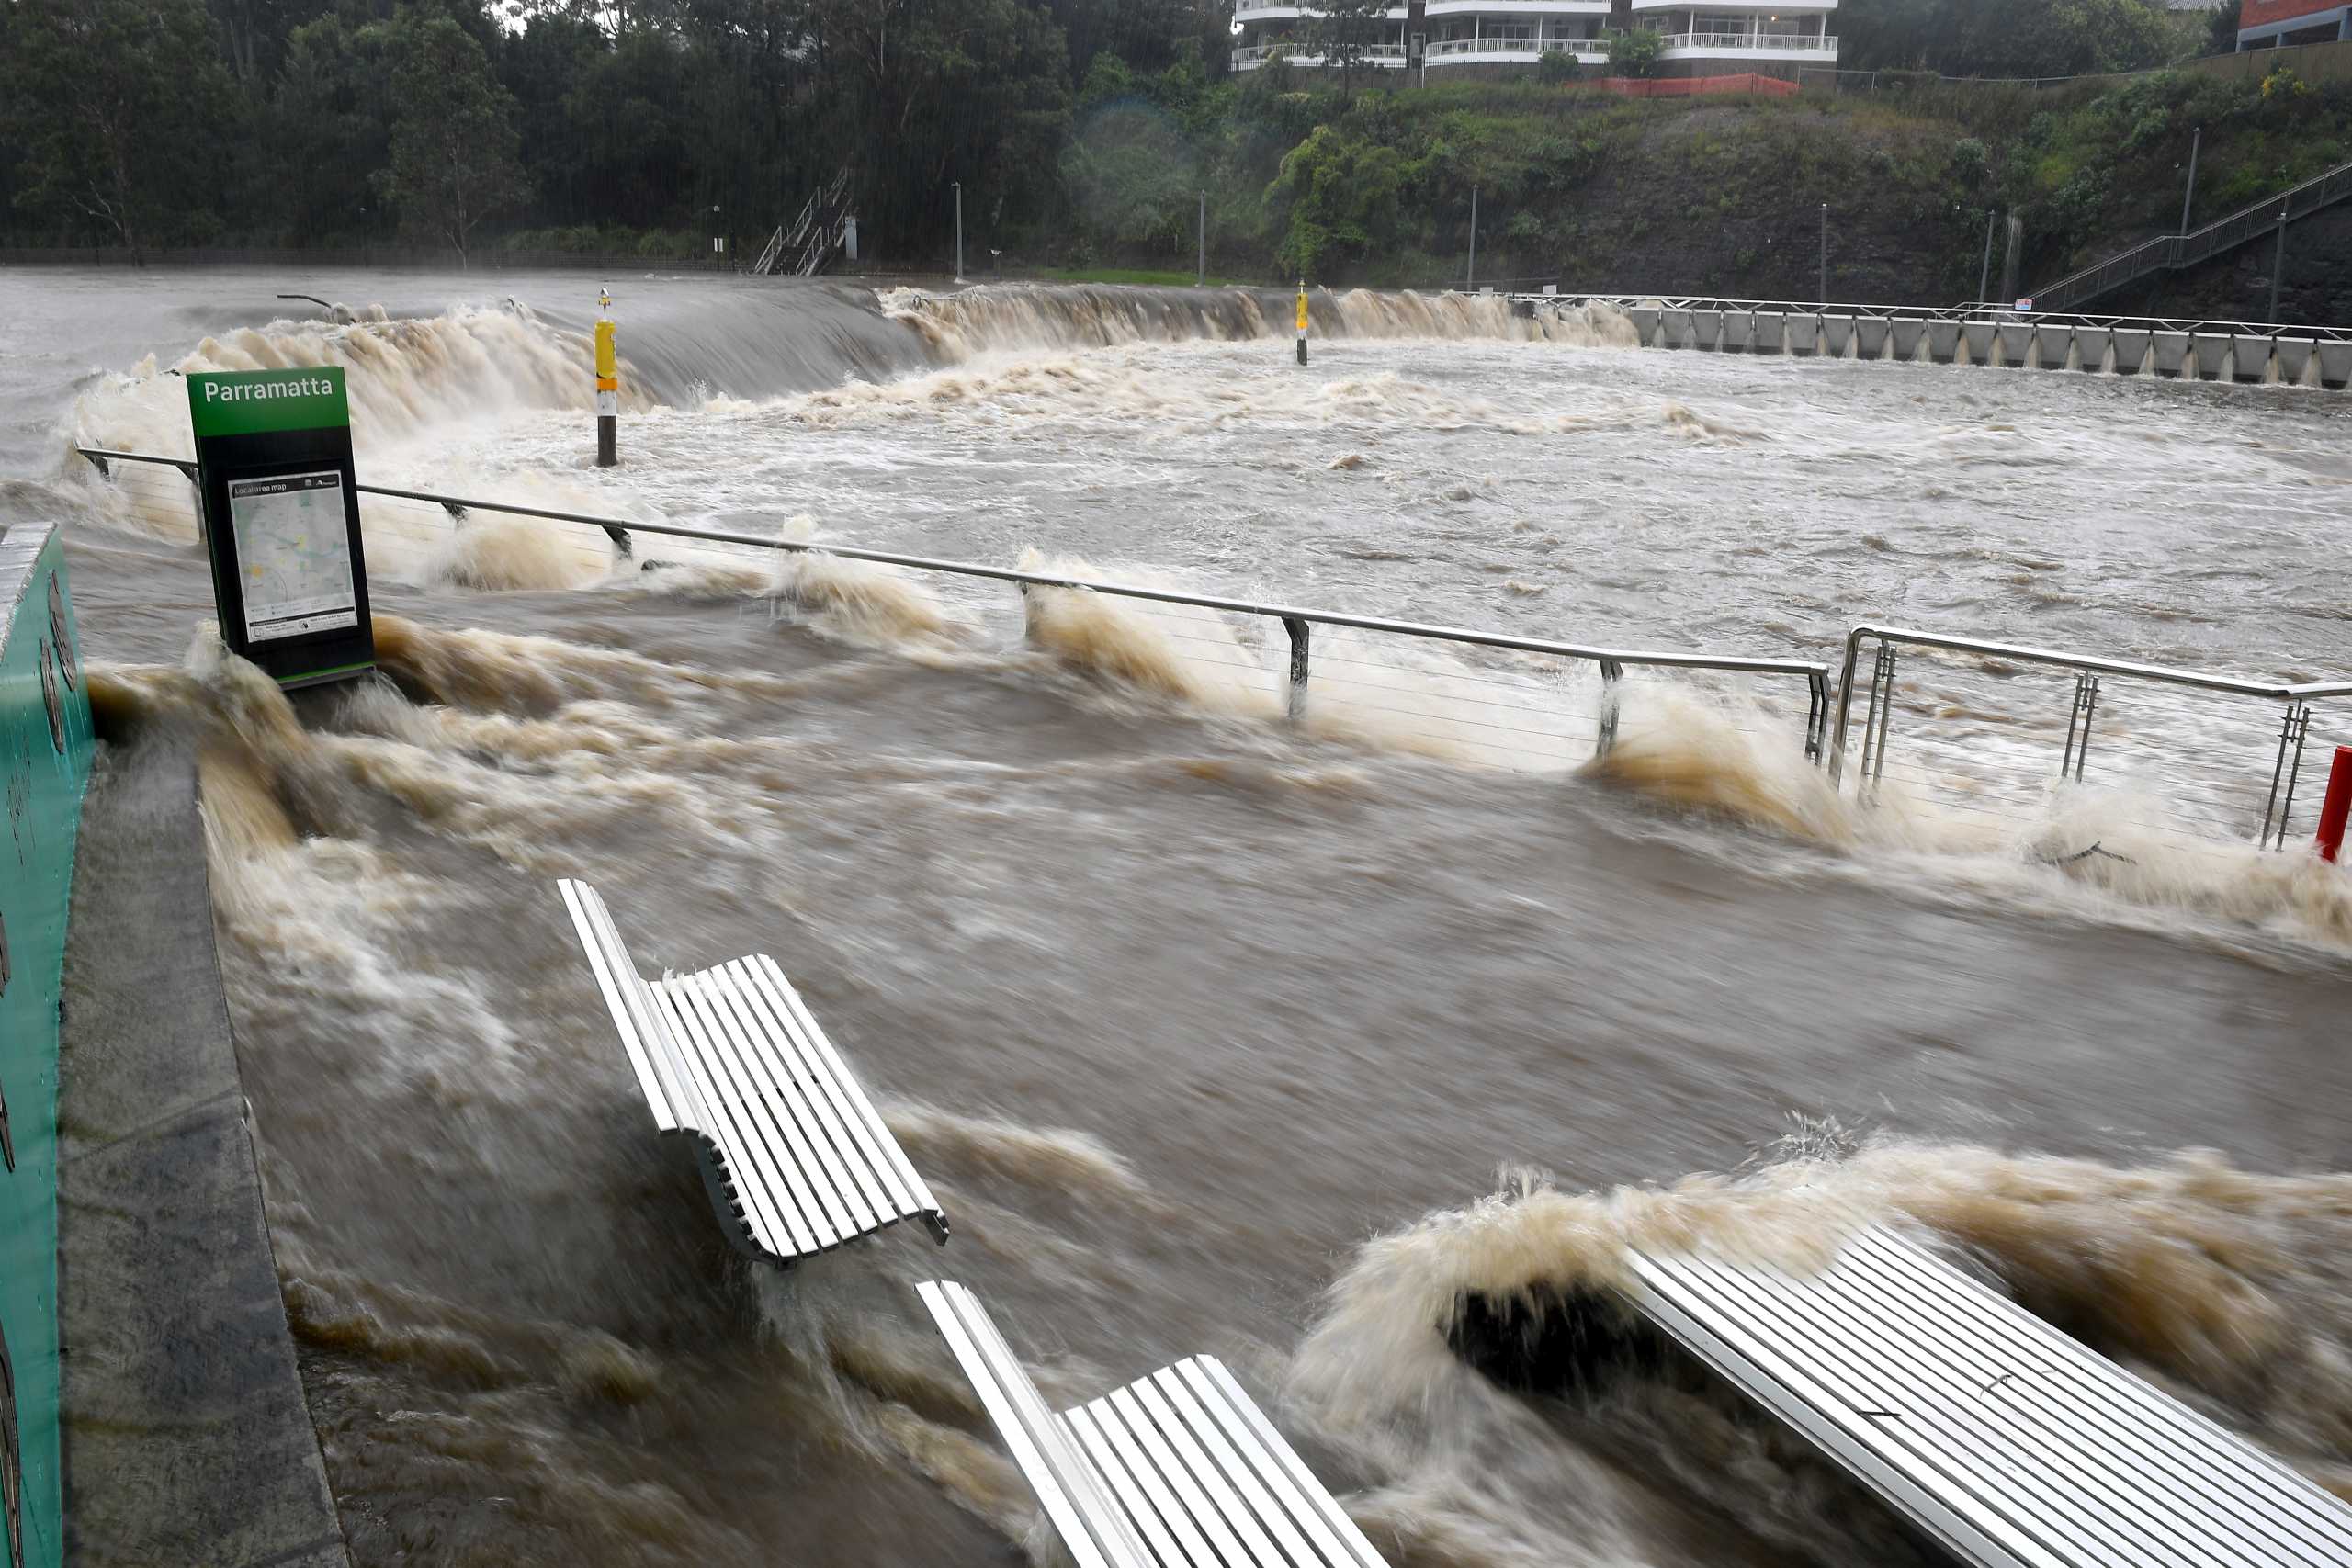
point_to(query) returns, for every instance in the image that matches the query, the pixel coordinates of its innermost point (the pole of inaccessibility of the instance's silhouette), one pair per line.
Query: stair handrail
(2197, 244)
(775, 247)
(800, 229)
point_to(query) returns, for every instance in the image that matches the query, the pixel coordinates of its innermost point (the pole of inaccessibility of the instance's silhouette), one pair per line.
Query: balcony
(1467, 50)
(1776, 7)
(1751, 46)
(1443, 52)
(1249, 57)
(1258, 11)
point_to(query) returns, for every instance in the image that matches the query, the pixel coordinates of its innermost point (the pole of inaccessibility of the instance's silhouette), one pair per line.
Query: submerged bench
(796, 1158)
(2007, 1441)
(1176, 1469)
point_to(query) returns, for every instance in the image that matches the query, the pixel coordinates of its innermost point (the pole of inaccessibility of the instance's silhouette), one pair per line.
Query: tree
(453, 144)
(1636, 53)
(2005, 37)
(2221, 27)
(1345, 32)
(123, 112)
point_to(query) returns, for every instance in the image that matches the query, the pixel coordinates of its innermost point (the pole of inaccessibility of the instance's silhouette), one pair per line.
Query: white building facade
(1700, 40)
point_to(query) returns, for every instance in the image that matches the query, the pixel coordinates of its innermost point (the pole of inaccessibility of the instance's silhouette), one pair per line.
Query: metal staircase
(812, 240)
(2170, 252)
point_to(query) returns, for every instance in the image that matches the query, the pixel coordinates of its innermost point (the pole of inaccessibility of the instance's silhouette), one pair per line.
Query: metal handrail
(774, 249)
(2295, 728)
(1975, 311)
(1820, 746)
(2177, 250)
(1611, 660)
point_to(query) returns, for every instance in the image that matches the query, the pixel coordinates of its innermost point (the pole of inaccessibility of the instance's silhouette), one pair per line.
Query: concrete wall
(45, 751)
(187, 1439)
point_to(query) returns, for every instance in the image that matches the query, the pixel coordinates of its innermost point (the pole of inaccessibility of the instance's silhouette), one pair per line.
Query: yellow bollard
(1301, 320)
(608, 385)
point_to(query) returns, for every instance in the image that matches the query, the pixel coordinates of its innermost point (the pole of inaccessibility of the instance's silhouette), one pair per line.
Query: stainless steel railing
(2089, 672)
(1975, 311)
(1296, 621)
(2095, 723)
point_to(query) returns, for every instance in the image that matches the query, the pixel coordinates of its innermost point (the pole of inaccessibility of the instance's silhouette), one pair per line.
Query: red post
(2338, 805)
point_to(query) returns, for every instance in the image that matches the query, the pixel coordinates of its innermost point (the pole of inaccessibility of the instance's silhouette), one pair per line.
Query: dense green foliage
(646, 127)
(2021, 38)
(145, 122)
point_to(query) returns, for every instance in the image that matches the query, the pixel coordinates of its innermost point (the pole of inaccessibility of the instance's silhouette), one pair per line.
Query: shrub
(1555, 66)
(1969, 159)
(1636, 53)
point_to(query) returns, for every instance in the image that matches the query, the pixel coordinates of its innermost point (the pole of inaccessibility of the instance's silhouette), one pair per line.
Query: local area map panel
(296, 555)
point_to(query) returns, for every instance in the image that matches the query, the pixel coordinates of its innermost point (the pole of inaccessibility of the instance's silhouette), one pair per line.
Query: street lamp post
(718, 244)
(1470, 274)
(2278, 265)
(1822, 294)
(2196, 140)
(1203, 281)
(1984, 273)
(960, 231)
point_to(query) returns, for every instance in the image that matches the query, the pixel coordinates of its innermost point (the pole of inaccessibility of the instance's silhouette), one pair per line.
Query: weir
(2229, 351)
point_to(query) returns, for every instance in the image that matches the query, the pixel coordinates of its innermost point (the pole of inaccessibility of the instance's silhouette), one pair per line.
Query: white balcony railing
(1442, 52)
(1795, 43)
(1443, 47)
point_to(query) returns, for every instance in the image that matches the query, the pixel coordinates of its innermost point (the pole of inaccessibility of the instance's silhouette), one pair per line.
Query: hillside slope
(1726, 196)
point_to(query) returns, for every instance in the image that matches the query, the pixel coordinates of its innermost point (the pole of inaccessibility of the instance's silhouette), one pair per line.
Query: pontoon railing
(1298, 621)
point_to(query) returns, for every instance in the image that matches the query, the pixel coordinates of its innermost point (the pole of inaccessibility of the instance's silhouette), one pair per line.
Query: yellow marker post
(608, 385)
(1301, 320)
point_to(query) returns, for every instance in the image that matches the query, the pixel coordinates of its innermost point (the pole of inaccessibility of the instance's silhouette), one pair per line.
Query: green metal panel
(45, 749)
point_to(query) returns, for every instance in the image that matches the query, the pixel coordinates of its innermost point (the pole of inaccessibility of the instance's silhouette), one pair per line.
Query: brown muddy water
(1213, 1035)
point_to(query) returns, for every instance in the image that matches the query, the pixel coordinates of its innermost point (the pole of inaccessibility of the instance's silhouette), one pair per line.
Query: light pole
(1984, 273)
(2278, 265)
(1470, 275)
(718, 245)
(368, 238)
(960, 231)
(1823, 296)
(1203, 281)
(2196, 140)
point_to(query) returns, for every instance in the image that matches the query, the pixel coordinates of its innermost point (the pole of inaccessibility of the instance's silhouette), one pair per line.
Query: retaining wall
(45, 751)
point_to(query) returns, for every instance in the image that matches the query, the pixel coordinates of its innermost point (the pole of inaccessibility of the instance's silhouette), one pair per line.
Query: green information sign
(281, 512)
(250, 402)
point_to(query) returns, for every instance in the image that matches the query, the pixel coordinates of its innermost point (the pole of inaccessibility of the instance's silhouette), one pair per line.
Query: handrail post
(1294, 707)
(1876, 721)
(98, 463)
(2292, 731)
(1816, 712)
(1613, 679)
(1845, 706)
(2078, 725)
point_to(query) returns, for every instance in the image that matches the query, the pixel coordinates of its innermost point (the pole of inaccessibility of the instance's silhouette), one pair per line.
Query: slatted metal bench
(2004, 1439)
(796, 1159)
(1176, 1469)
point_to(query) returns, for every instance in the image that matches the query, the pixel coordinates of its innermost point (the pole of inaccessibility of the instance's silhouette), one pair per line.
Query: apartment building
(1442, 35)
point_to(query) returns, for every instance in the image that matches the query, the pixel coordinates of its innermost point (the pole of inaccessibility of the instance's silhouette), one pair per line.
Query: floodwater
(1213, 1033)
